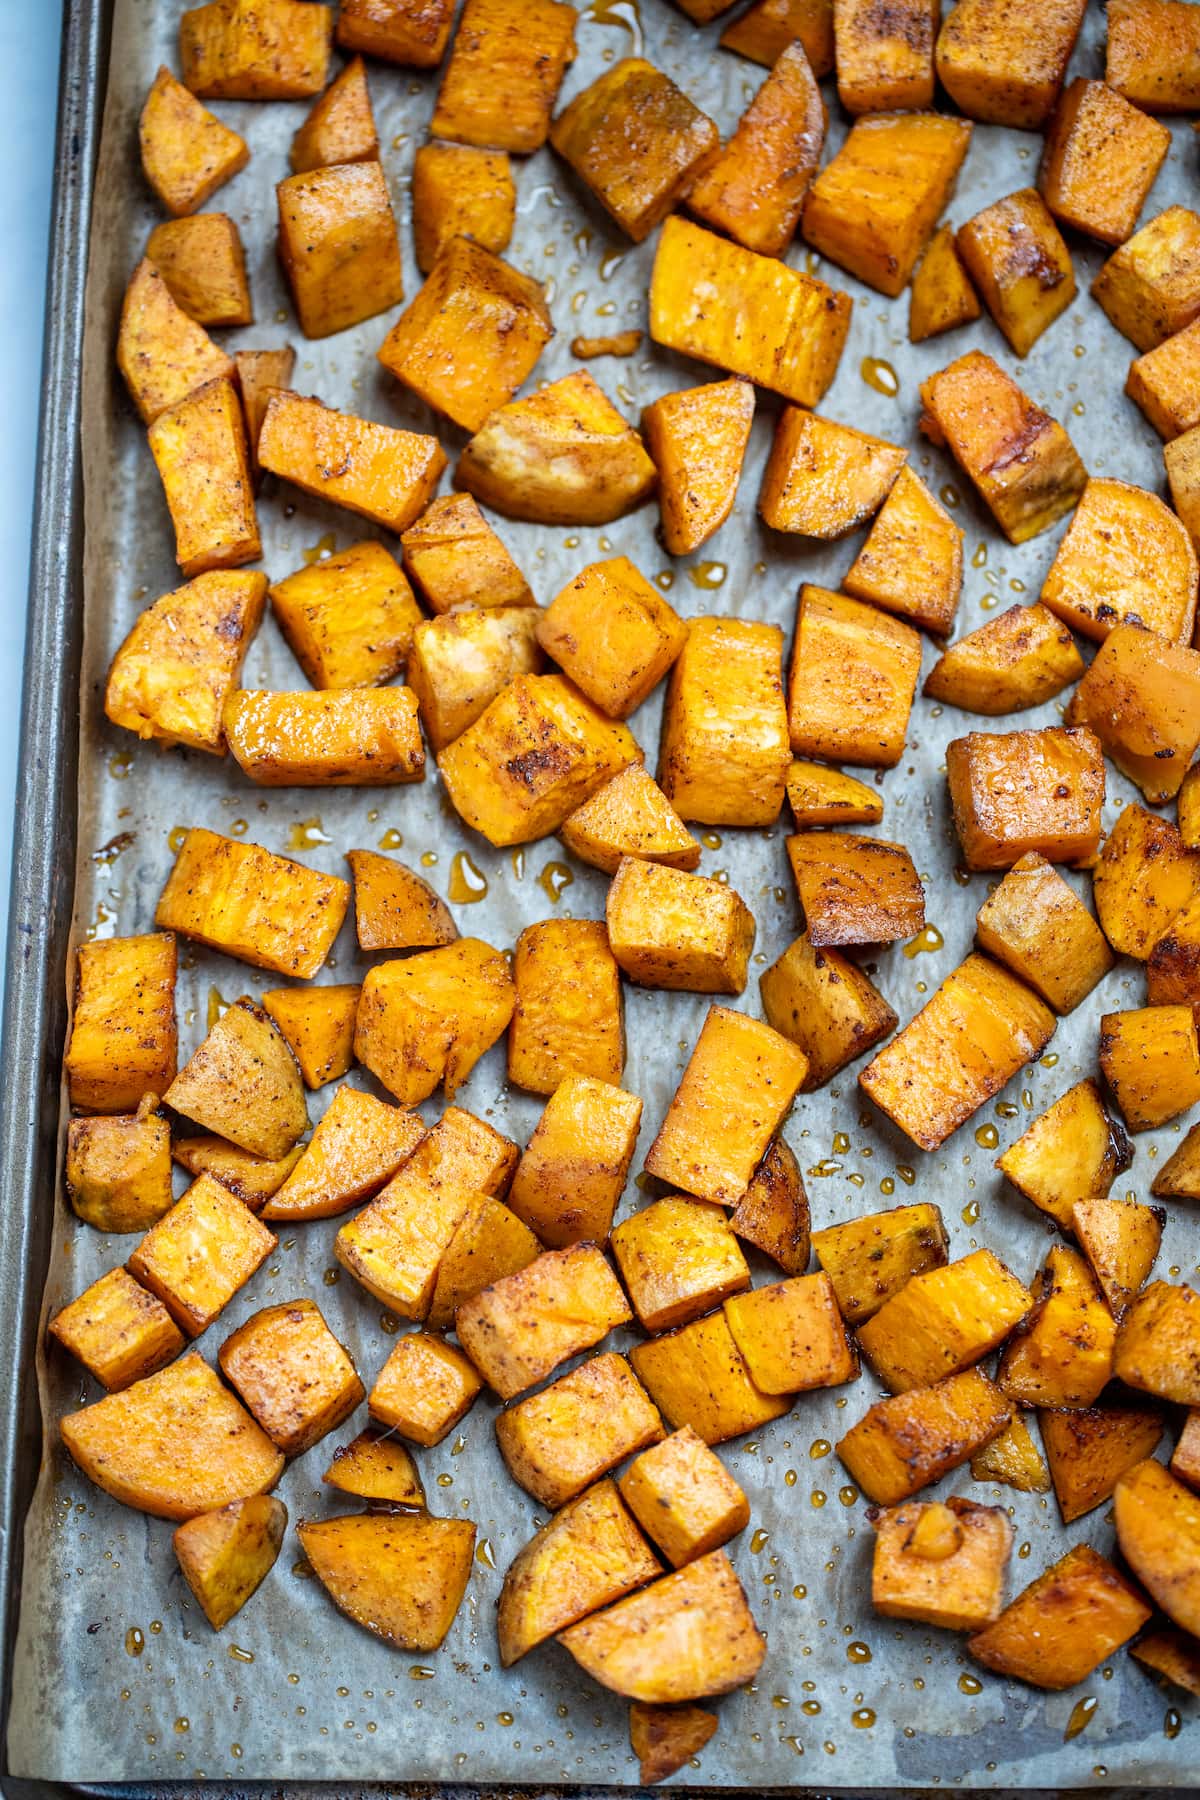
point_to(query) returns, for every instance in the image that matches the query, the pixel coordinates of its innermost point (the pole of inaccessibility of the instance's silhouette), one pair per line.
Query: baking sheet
(116, 1675)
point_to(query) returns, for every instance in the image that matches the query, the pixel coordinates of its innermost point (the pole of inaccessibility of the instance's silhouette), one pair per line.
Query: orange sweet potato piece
(1064, 1625)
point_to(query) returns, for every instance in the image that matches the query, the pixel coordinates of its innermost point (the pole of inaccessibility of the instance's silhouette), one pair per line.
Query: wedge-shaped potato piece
(613, 634)
(853, 676)
(705, 291)
(872, 209)
(412, 32)
(755, 189)
(243, 1084)
(855, 890)
(118, 1172)
(1151, 1061)
(257, 373)
(684, 1497)
(461, 192)
(826, 1005)
(669, 929)
(538, 751)
(1037, 925)
(504, 74)
(187, 153)
(822, 479)
(568, 1019)
(118, 1331)
(318, 1024)
(902, 1444)
(1120, 1239)
(1013, 1460)
(636, 141)
(387, 476)
(1017, 792)
(1100, 161)
(461, 663)
(558, 1441)
(489, 1242)
(911, 563)
(687, 1636)
(202, 262)
(1005, 65)
(423, 1389)
(1073, 1151)
(1172, 1655)
(1152, 51)
(252, 1178)
(698, 440)
(424, 1021)
(941, 1563)
(629, 816)
(357, 1147)
(402, 1575)
(664, 1738)
(199, 447)
(723, 754)
(1185, 1458)
(941, 297)
(1179, 1177)
(767, 27)
(573, 1169)
(1064, 1625)
(1101, 573)
(1150, 287)
(1021, 461)
(869, 1260)
(394, 907)
(1020, 659)
(255, 49)
(1158, 1345)
(1062, 1355)
(884, 59)
(341, 126)
(1020, 265)
(678, 1258)
(163, 354)
(377, 1468)
(197, 1256)
(176, 1444)
(174, 672)
(1162, 382)
(697, 1377)
(1091, 1448)
(226, 1556)
(773, 1213)
(1158, 1530)
(292, 1373)
(339, 737)
(457, 560)
(338, 246)
(736, 1091)
(943, 1320)
(348, 618)
(792, 1336)
(519, 1330)
(1141, 696)
(1144, 879)
(250, 903)
(819, 795)
(585, 1557)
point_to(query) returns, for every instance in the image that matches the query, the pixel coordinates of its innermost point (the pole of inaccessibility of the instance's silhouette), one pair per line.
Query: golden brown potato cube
(200, 1253)
(225, 1556)
(585, 1557)
(1158, 1344)
(943, 1320)
(979, 1028)
(519, 1330)
(341, 126)
(118, 1169)
(252, 1178)
(684, 1497)
(1120, 1239)
(118, 1331)
(243, 1083)
(538, 751)
(164, 354)
(670, 929)
(1037, 925)
(123, 1040)
(1064, 1625)
(424, 1021)
(822, 479)
(572, 1172)
(678, 1258)
(358, 1145)
(1182, 459)
(387, 476)
(723, 753)
(394, 907)
(557, 1442)
(855, 890)
(1150, 287)
(376, 1467)
(458, 191)
(1005, 64)
(941, 297)
(318, 1024)
(203, 264)
(1021, 461)
(1101, 573)
(568, 1018)
(736, 1091)
(853, 676)
(751, 314)
(400, 1576)
(292, 1373)
(250, 903)
(255, 49)
(872, 209)
(911, 563)
(1172, 1655)
(1140, 695)
(1013, 1460)
(870, 1259)
(457, 560)
(1145, 878)
(1100, 161)
(819, 795)
(1020, 659)
(1018, 261)
(338, 246)
(257, 373)
(629, 816)
(1163, 382)
(1073, 1151)
(763, 32)
(755, 189)
(613, 634)
(413, 32)
(1151, 1061)
(504, 73)
(792, 1337)
(1179, 1177)
(1153, 47)
(773, 1212)
(884, 58)
(636, 142)
(1062, 1355)
(1158, 1530)
(489, 1242)
(1017, 792)
(1173, 966)
(199, 447)
(423, 1389)
(697, 1377)
(1091, 1448)
(698, 440)
(335, 737)
(460, 663)
(187, 153)
(1185, 1458)
(902, 1444)
(941, 1563)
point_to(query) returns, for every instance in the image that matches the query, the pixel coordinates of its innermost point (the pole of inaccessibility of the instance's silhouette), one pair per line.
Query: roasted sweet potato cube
(357, 1147)
(1158, 1530)
(292, 1373)
(252, 1178)
(203, 264)
(257, 373)
(318, 1024)
(118, 1169)
(459, 664)
(791, 1336)
(118, 1331)
(1140, 695)
(1062, 1355)
(723, 754)
(424, 1021)
(1020, 659)
(1100, 161)
(225, 1556)
(187, 153)
(1064, 1625)
(755, 189)
(569, 1018)
(697, 1377)
(338, 737)
(338, 246)
(162, 352)
(629, 816)
(684, 1497)
(1090, 1449)
(739, 1083)
(941, 1563)
(670, 929)
(698, 439)
(199, 447)
(613, 634)
(423, 1389)
(504, 74)
(174, 672)
(1120, 1239)
(458, 191)
(1185, 1458)
(249, 903)
(911, 563)
(1179, 1177)
(585, 1557)
(255, 49)
(341, 126)
(394, 907)
(1162, 382)
(1020, 265)
(1073, 1151)
(1005, 65)
(200, 1253)
(764, 31)
(1152, 50)
(704, 289)
(685, 1637)
(1017, 792)
(1158, 1345)
(562, 456)
(822, 479)
(376, 1467)
(941, 297)
(819, 795)
(489, 1242)
(1013, 1460)
(560, 1440)
(943, 1320)
(855, 890)
(457, 560)
(1145, 878)
(872, 209)
(243, 1084)
(573, 1169)
(412, 32)
(519, 1330)
(1150, 287)
(1182, 459)
(902, 1444)
(678, 1258)
(1101, 574)
(1150, 1059)
(387, 476)
(1036, 924)
(824, 1003)
(853, 676)
(773, 1213)
(401, 1576)
(1172, 1655)
(1021, 461)
(884, 57)
(123, 1041)
(868, 1260)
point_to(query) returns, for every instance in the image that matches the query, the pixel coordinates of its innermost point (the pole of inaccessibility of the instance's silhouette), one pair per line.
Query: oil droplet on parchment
(467, 882)
(880, 376)
(929, 939)
(1082, 1714)
(554, 880)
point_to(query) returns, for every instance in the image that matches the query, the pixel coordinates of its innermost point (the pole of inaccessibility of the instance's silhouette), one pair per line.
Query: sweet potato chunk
(1185, 1458)
(1182, 459)
(853, 676)
(1091, 1448)
(557, 1442)
(394, 907)
(884, 56)
(723, 754)
(1151, 1061)
(819, 795)
(197, 1256)
(252, 1178)
(698, 439)
(118, 1331)
(959, 1050)
(826, 1005)
(629, 816)
(855, 890)
(1020, 265)
(1022, 658)
(458, 191)
(941, 297)
(338, 737)
(1120, 1239)
(755, 189)
(1153, 47)
(504, 74)
(457, 560)
(1073, 1151)
(941, 1564)
(791, 1336)
(870, 1259)
(402, 1576)
(1150, 287)
(697, 1377)
(243, 1084)
(1100, 161)
(911, 563)
(340, 129)
(1158, 1345)
(123, 1041)
(387, 476)
(357, 1147)
(424, 1021)
(568, 1018)
(824, 480)
(773, 1212)
(163, 354)
(292, 1373)
(684, 1497)
(1141, 695)
(412, 32)
(669, 929)
(613, 634)
(423, 1389)
(1162, 382)
(489, 1242)
(1101, 574)
(1062, 1355)
(255, 49)
(318, 1024)
(460, 663)
(943, 1320)
(1064, 1625)
(338, 246)
(678, 1258)
(763, 32)
(1013, 1460)
(199, 447)
(174, 672)
(257, 373)
(519, 1330)
(1017, 792)
(1004, 64)
(1144, 879)
(663, 1738)
(203, 264)
(377, 1468)
(1037, 925)
(246, 901)
(225, 1556)
(175, 1444)
(1172, 1655)
(902, 1444)
(572, 1173)
(187, 153)
(1179, 1177)
(1158, 1529)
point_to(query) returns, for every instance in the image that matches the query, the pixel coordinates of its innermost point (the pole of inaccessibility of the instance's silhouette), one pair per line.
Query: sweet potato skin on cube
(338, 246)
(175, 670)
(1017, 660)
(684, 1497)
(697, 1377)
(698, 439)
(629, 816)
(1090, 1448)
(723, 753)
(853, 676)
(333, 737)
(225, 1556)
(387, 476)
(670, 929)
(572, 1172)
(118, 1330)
(871, 1258)
(1064, 1625)
(197, 1256)
(943, 1320)
(612, 633)
(252, 904)
(187, 153)
(423, 1389)
(292, 1373)
(402, 1576)
(940, 1564)
(755, 189)
(1037, 925)
(1016, 792)
(504, 72)
(424, 1021)
(518, 1331)
(773, 1213)
(1005, 64)
(1020, 265)
(1072, 1151)
(678, 1258)
(558, 1441)
(791, 1335)
(124, 1041)
(569, 1018)
(903, 1443)
(855, 890)
(1150, 1059)
(199, 447)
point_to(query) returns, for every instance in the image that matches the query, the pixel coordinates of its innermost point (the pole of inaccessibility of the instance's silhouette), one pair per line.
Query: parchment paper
(118, 1676)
